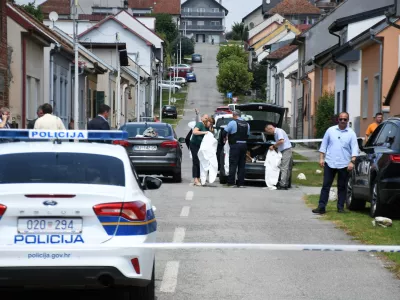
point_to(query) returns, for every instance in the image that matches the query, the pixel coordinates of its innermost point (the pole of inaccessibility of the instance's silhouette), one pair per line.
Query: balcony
(202, 14)
(326, 5)
(202, 27)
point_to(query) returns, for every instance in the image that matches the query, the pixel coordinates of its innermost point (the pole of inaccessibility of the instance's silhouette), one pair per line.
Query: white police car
(74, 214)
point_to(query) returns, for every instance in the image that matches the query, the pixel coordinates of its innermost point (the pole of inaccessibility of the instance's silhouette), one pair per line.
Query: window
(344, 106)
(374, 135)
(251, 25)
(187, 9)
(200, 9)
(50, 167)
(384, 134)
(32, 96)
(138, 129)
(377, 100)
(215, 23)
(338, 102)
(215, 9)
(364, 102)
(200, 23)
(88, 104)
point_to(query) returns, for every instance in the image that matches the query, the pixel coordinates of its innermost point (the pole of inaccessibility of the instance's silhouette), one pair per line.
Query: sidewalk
(311, 154)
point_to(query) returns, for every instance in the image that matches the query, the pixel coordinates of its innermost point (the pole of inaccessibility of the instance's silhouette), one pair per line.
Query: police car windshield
(135, 130)
(51, 167)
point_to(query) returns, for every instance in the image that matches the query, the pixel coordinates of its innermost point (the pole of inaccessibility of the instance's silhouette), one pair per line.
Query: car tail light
(132, 211)
(48, 196)
(395, 158)
(3, 209)
(169, 144)
(122, 143)
(136, 265)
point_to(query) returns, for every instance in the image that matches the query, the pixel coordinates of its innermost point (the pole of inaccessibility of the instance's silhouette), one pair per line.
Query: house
(326, 6)
(203, 20)
(138, 48)
(4, 78)
(296, 11)
(253, 18)
(264, 28)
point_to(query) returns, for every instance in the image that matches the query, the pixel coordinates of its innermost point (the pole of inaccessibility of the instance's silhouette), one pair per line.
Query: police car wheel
(143, 293)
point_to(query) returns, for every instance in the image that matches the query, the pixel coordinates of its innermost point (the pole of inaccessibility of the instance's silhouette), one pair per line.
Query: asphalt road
(252, 215)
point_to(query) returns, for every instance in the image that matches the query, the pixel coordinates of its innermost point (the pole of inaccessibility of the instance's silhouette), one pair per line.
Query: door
(204, 38)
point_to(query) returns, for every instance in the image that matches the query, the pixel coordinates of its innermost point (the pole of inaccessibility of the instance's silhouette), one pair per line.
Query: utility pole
(180, 48)
(76, 79)
(138, 89)
(118, 84)
(161, 77)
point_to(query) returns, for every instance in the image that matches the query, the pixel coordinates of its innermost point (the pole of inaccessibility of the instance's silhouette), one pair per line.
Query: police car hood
(258, 115)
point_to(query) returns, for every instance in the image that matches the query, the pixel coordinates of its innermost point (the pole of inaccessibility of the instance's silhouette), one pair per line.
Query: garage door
(216, 39)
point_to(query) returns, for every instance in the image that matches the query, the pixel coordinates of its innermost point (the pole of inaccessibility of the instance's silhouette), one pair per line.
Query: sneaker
(341, 211)
(241, 186)
(319, 210)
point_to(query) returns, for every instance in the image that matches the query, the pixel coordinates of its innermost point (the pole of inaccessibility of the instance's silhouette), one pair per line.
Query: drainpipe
(373, 38)
(124, 102)
(309, 106)
(294, 105)
(85, 98)
(272, 67)
(23, 82)
(345, 70)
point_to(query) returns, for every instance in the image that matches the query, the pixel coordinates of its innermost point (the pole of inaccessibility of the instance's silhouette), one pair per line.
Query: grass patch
(359, 226)
(180, 105)
(309, 169)
(297, 156)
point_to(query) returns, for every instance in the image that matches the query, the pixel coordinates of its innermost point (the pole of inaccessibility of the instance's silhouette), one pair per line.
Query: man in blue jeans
(238, 133)
(338, 153)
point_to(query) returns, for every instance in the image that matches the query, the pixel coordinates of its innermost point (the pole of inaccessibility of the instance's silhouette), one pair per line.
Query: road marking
(179, 235)
(189, 196)
(185, 211)
(170, 278)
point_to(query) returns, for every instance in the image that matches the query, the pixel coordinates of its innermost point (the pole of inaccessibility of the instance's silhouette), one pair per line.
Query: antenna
(53, 16)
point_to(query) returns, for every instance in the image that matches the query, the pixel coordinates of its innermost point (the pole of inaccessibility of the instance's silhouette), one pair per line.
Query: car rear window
(138, 129)
(170, 108)
(53, 167)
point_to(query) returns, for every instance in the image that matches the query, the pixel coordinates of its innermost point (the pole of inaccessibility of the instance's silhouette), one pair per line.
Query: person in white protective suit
(208, 156)
(284, 146)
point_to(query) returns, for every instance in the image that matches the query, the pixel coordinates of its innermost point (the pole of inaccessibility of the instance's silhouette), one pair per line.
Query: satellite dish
(53, 16)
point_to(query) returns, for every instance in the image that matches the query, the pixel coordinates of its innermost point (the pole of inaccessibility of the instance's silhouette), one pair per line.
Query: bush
(233, 77)
(227, 51)
(325, 113)
(187, 46)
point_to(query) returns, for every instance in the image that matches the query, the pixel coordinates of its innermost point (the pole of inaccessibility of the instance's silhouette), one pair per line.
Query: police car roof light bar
(90, 135)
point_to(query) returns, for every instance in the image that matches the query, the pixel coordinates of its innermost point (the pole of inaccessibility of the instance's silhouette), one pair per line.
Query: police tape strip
(313, 140)
(213, 246)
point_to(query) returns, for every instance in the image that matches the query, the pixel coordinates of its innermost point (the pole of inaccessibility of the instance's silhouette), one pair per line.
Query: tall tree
(234, 50)
(187, 46)
(166, 26)
(238, 31)
(233, 77)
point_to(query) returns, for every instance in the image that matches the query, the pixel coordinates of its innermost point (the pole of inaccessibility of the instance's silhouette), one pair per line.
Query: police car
(74, 214)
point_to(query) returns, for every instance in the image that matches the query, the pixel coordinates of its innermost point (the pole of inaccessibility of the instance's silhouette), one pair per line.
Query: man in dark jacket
(100, 122)
(39, 113)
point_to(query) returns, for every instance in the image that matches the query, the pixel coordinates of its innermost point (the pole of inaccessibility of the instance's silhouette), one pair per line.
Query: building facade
(4, 78)
(203, 20)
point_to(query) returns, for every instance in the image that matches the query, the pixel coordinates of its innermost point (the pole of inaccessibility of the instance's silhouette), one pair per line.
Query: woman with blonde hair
(200, 130)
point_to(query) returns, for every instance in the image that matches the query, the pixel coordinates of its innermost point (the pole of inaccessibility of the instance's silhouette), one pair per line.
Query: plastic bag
(208, 158)
(272, 163)
(226, 157)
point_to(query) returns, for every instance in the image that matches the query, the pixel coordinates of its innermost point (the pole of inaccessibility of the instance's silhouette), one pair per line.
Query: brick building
(3, 55)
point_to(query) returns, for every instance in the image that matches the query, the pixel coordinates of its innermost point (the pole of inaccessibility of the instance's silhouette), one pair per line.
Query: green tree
(187, 46)
(165, 25)
(237, 31)
(233, 77)
(259, 77)
(325, 113)
(235, 50)
(33, 9)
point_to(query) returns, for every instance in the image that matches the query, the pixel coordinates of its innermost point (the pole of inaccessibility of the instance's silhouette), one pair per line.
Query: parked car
(169, 111)
(259, 115)
(223, 108)
(160, 155)
(181, 66)
(191, 77)
(376, 174)
(179, 81)
(197, 58)
(181, 72)
(167, 86)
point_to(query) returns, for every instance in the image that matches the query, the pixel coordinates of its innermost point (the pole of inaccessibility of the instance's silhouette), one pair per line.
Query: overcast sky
(237, 9)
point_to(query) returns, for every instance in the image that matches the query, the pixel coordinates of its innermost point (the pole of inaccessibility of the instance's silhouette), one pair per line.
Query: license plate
(145, 148)
(49, 225)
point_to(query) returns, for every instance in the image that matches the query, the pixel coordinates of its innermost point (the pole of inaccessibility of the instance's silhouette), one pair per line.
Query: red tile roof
(295, 7)
(62, 7)
(281, 52)
(92, 17)
(303, 27)
(172, 7)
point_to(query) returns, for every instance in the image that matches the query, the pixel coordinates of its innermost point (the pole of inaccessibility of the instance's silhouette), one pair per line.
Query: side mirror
(389, 140)
(151, 183)
(182, 140)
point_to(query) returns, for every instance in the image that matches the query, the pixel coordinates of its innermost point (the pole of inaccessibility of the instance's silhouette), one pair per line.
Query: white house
(263, 25)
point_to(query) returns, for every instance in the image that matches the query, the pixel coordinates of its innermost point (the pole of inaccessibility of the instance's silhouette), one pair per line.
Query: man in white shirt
(48, 120)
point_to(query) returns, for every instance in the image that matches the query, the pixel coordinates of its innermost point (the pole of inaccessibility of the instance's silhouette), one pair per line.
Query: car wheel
(142, 293)
(377, 209)
(177, 177)
(353, 202)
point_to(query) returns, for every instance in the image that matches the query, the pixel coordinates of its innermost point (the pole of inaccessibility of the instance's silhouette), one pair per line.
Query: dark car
(160, 155)
(169, 111)
(191, 77)
(376, 174)
(258, 115)
(197, 58)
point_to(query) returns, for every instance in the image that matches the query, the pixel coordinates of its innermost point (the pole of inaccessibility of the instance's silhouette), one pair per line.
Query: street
(214, 214)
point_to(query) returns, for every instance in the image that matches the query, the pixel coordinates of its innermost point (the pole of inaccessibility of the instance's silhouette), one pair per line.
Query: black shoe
(319, 210)
(341, 211)
(282, 188)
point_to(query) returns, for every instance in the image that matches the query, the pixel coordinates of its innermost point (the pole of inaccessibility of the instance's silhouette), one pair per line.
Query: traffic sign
(234, 99)
(229, 95)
